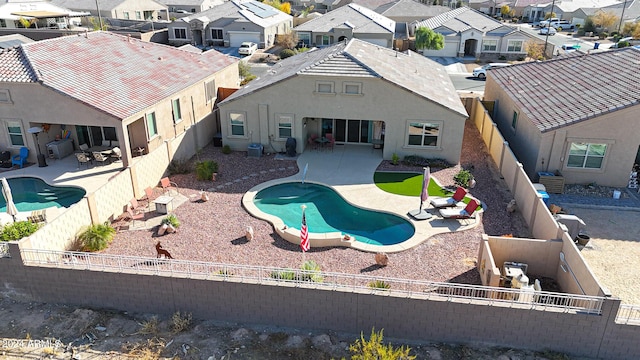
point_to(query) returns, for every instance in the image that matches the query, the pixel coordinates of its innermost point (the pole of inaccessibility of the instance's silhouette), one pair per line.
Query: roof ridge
(24, 54)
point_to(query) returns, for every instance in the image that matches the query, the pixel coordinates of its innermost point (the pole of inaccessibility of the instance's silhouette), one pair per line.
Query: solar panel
(260, 10)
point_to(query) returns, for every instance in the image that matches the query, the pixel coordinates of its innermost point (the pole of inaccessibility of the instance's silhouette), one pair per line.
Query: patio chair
(168, 185)
(135, 206)
(100, 157)
(21, 158)
(83, 159)
(116, 153)
(84, 147)
(331, 142)
(451, 201)
(460, 213)
(312, 143)
(149, 196)
(131, 215)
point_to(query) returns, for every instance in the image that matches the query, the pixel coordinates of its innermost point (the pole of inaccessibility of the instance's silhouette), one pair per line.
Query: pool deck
(349, 170)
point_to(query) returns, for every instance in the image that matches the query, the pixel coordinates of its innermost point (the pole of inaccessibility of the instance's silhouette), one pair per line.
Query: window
(305, 38)
(237, 124)
(210, 90)
(586, 156)
(351, 88)
(285, 125)
(14, 129)
(216, 34)
(5, 97)
(423, 134)
(324, 87)
(152, 127)
(514, 120)
(489, 45)
(514, 46)
(126, 15)
(3, 23)
(326, 40)
(175, 109)
(138, 15)
(180, 33)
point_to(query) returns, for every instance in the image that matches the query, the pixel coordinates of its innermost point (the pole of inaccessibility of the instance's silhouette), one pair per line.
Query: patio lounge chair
(168, 185)
(452, 201)
(100, 157)
(83, 159)
(21, 158)
(460, 213)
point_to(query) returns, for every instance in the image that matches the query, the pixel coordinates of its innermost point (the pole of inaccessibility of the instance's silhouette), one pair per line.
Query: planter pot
(583, 239)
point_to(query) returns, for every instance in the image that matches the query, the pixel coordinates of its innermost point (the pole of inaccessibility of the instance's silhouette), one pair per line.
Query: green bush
(502, 57)
(312, 272)
(463, 178)
(97, 237)
(179, 167)
(379, 284)
(171, 220)
(374, 349)
(284, 275)
(415, 160)
(623, 44)
(226, 149)
(394, 159)
(286, 53)
(205, 169)
(18, 230)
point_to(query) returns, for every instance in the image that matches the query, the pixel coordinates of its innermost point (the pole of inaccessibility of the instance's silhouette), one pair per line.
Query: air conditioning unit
(255, 150)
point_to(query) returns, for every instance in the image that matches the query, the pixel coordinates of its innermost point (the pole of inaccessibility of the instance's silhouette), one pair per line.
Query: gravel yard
(214, 230)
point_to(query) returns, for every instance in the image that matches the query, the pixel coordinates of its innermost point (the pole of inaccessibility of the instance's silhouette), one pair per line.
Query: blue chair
(21, 159)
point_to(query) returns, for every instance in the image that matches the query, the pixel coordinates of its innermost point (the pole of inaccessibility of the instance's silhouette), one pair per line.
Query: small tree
(505, 11)
(306, 11)
(287, 41)
(631, 29)
(374, 349)
(428, 39)
(244, 71)
(550, 15)
(534, 50)
(605, 19)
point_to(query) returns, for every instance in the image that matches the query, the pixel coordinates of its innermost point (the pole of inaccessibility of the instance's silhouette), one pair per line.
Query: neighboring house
(345, 23)
(192, 6)
(118, 9)
(13, 40)
(489, 7)
(563, 9)
(102, 86)
(628, 11)
(468, 32)
(41, 14)
(406, 11)
(322, 6)
(577, 114)
(356, 91)
(231, 24)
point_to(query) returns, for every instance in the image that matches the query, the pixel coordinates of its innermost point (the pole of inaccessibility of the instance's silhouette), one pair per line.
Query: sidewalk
(454, 65)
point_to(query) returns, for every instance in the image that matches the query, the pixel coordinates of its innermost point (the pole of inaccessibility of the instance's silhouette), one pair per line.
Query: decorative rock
(321, 341)
(382, 259)
(101, 328)
(512, 206)
(204, 196)
(171, 229)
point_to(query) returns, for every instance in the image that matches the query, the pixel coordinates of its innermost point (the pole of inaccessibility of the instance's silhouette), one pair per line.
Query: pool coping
(423, 229)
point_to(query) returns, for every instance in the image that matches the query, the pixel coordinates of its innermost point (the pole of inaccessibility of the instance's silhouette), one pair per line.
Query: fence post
(505, 145)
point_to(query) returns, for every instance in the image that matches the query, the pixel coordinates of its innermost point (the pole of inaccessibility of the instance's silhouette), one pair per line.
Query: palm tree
(428, 39)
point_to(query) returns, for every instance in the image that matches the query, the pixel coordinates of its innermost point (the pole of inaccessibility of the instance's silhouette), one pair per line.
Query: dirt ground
(45, 331)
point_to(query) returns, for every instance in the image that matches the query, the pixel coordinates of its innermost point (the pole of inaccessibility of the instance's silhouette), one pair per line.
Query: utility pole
(99, 16)
(546, 39)
(622, 16)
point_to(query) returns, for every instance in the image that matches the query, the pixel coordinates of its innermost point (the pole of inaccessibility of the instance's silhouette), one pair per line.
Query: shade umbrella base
(419, 214)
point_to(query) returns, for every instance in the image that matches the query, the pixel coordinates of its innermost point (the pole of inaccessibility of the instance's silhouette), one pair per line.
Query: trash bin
(596, 45)
(217, 140)
(545, 197)
(290, 146)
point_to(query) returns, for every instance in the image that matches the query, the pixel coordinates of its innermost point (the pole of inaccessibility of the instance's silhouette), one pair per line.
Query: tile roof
(565, 91)
(361, 19)
(239, 10)
(410, 8)
(118, 75)
(359, 58)
(462, 19)
(106, 5)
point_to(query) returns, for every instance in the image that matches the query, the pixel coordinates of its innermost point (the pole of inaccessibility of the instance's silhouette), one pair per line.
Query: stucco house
(360, 93)
(192, 6)
(347, 22)
(468, 32)
(41, 14)
(405, 11)
(100, 86)
(118, 9)
(231, 24)
(575, 114)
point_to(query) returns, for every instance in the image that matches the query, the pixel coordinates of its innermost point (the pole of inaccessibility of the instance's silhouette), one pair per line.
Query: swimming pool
(31, 193)
(328, 212)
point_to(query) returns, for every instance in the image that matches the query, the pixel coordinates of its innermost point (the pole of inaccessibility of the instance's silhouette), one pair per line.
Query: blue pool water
(327, 211)
(34, 194)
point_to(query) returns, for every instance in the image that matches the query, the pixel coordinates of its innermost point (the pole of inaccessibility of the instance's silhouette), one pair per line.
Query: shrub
(312, 272)
(379, 284)
(463, 178)
(394, 159)
(149, 326)
(502, 57)
(286, 53)
(180, 322)
(179, 167)
(520, 59)
(373, 349)
(415, 160)
(283, 275)
(171, 220)
(204, 169)
(97, 237)
(622, 44)
(18, 230)
(226, 149)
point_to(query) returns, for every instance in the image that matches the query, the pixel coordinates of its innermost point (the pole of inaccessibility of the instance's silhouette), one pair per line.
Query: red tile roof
(567, 90)
(115, 74)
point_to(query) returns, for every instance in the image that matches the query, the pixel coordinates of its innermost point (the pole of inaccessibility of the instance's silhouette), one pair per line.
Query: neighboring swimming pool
(328, 212)
(31, 193)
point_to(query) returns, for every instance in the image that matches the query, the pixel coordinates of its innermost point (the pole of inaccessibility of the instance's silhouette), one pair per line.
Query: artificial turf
(409, 184)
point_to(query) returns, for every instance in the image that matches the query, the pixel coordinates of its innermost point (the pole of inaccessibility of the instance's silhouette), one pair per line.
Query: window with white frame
(423, 133)
(5, 96)
(352, 88)
(324, 87)
(152, 126)
(14, 130)
(138, 15)
(285, 126)
(586, 155)
(175, 109)
(210, 90)
(514, 46)
(514, 120)
(216, 34)
(489, 45)
(179, 33)
(237, 124)
(326, 40)
(126, 15)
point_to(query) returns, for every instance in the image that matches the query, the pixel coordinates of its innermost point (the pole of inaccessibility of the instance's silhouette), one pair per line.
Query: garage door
(237, 38)
(380, 42)
(450, 50)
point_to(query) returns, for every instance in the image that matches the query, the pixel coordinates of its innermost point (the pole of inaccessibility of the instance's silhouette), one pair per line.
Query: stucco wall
(380, 100)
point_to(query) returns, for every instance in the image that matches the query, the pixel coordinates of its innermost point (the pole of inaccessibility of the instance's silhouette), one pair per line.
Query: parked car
(570, 47)
(548, 31)
(247, 48)
(481, 72)
(180, 11)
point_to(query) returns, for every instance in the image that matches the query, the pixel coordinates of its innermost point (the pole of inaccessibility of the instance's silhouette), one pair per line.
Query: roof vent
(160, 58)
(129, 38)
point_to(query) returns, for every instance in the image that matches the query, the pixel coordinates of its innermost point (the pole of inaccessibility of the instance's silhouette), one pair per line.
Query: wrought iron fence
(419, 289)
(628, 314)
(4, 250)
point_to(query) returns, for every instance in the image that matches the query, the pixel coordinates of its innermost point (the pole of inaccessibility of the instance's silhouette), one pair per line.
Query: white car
(548, 31)
(247, 48)
(481, 72)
